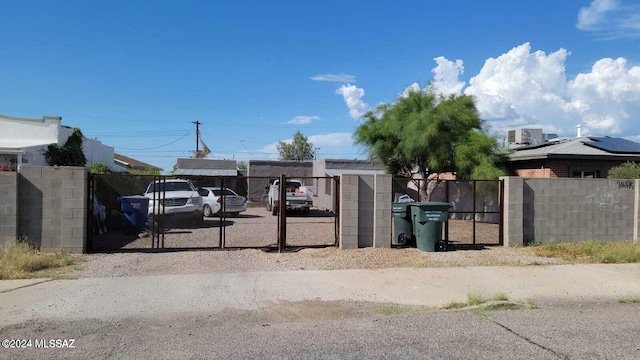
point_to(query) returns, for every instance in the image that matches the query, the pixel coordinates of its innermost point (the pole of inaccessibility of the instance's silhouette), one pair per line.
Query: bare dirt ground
(256, 227)
(193, 249)
(331, 258)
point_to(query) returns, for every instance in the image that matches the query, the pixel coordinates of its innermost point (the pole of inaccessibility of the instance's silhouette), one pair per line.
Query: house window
(586, 174)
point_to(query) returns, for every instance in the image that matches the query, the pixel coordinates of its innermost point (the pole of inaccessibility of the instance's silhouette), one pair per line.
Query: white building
(24, 140)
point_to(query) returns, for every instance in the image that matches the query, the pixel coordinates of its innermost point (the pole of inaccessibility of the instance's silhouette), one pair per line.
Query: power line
(157, 147)
(250, 154)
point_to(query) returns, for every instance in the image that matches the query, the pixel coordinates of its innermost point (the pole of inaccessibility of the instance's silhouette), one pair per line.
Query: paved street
(392, 313)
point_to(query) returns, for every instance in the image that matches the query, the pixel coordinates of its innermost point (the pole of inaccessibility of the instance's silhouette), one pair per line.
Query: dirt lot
(193, 249)
(255, 227)
(258, 228)
(331, 258)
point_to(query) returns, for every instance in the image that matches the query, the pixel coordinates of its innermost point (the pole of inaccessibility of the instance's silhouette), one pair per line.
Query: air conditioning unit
(525, 136)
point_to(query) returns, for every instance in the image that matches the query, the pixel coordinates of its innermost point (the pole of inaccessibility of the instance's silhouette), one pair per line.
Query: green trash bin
(402, 227)
(427, 218)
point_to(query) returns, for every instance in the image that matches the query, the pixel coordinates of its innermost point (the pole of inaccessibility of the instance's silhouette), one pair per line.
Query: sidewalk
(156, 295)
(8, 285)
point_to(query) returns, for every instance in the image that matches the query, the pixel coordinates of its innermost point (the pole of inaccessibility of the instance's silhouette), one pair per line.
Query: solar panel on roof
(613, 145)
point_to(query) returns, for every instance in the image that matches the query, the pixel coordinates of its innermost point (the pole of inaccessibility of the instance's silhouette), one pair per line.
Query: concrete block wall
(349, 211)
(52, 212)
(365, 211)
(272, 169)
(382, 222)
(8, 206)
(570, 210)
(513, 211)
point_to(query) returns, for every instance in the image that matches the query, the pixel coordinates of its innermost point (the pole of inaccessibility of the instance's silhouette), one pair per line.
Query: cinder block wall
(273, 169)
(570, 210)
(8, 206)
(365, 211)
(52, 211)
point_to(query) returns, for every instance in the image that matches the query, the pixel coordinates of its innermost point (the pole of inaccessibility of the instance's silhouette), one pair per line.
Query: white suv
(175, 198)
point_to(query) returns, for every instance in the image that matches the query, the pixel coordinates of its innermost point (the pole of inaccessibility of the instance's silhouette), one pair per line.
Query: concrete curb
(10, 285)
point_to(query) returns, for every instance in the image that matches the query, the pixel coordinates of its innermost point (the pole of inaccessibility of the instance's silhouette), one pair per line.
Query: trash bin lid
(433, 205)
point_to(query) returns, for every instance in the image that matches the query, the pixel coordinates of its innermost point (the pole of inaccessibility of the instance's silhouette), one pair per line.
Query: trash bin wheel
(402, 239)
(441, 245)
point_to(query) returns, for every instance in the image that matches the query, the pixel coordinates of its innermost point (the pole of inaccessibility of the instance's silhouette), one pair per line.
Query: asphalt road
(338, 330)
(342, 314)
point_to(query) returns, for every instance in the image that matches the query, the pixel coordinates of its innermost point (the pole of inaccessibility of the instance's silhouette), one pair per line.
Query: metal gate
(121, 219)
(476, 213)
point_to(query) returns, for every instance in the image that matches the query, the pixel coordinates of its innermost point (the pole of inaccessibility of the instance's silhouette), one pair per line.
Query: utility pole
(317, 153)
(198, 123)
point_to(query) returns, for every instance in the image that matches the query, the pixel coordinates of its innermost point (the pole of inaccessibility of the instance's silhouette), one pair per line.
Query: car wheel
(207, 211)
(268, 206)
(274, 211)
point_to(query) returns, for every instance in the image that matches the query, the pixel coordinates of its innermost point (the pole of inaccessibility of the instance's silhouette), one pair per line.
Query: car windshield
(170, 186)
(218, 192)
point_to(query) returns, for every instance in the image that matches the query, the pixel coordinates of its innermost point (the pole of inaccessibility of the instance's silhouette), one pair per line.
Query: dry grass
(373, 258)
(19, 260)
(590, 252)
(629, 300)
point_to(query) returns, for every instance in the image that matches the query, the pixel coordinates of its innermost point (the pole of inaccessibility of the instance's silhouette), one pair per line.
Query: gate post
(513, 227)
(282, 218)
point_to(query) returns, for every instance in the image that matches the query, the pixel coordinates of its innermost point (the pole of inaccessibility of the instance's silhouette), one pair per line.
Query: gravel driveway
(253, 260)
(258, 228)
(255, 227)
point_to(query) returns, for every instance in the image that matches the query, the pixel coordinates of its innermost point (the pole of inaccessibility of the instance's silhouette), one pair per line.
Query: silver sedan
(233, 203)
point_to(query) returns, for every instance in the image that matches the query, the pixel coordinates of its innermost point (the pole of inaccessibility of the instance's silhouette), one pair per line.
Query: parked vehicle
(175, 198)
(299, 197)
(232, 205)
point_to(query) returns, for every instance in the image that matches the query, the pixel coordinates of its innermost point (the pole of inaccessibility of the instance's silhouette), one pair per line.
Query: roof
(8, 150)
(580, 148)
(336, 172)
(206, 164)
(132, 163)
(206, 172)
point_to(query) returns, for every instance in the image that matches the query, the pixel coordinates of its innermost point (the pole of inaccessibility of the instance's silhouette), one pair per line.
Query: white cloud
(344, 78)
(303, 120)
(608, 97)
(610, 19)
(353, 98)
(272, 149)
(522, 88)
(445, 76)
(415, 87)
(332, 139)
(323, 141)
(523, 84)
(592, 16)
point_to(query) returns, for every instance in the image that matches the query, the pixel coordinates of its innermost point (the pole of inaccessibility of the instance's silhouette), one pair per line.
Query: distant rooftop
(132, 163)
(581, 147)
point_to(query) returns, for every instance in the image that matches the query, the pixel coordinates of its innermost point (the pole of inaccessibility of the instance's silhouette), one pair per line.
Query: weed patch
(394, 309)
(600, 252)
(629, 300)
(20, 260)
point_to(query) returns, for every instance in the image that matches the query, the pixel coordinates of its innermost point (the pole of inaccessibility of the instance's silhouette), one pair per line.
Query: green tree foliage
(242, 165)
(431, 134)
(70, 154)
(99, 168)
(145, 171)
(299, 149)
(628, 170)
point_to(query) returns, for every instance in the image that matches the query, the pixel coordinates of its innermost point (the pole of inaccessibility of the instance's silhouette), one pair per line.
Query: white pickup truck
(299, 197)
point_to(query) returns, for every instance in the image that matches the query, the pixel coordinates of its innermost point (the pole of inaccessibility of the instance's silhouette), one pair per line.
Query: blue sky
(135, 74)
